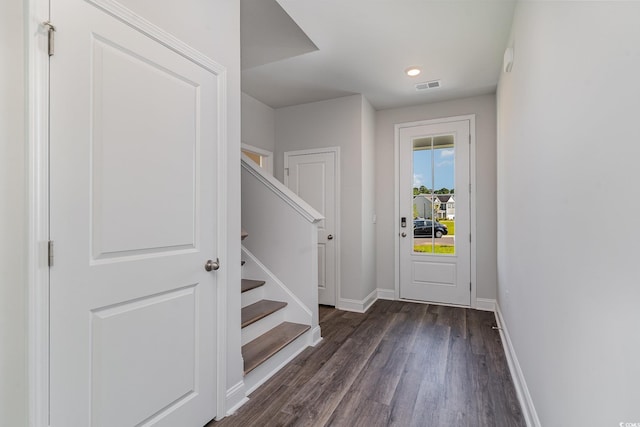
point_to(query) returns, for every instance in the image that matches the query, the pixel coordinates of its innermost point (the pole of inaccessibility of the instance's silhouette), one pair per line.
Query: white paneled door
(434, 212)
(133, 143)
(312, 175)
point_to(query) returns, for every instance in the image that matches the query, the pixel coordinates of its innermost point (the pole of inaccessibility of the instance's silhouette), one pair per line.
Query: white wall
(569, 277)
(258, 124)
(484, 109)
(13, 376)
(333, 123)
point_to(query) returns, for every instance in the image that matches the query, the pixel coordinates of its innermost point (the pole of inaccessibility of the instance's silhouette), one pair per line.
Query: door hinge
(469, 138)
(469, 237)
(469, 188)
(51, 29)
(50, 253)
(286, 171)
(469, 286)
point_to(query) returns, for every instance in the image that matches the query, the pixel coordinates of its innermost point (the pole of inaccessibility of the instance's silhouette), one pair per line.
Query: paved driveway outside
(444, 240)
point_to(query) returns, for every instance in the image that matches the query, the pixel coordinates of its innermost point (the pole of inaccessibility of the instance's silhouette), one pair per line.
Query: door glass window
(434, 194)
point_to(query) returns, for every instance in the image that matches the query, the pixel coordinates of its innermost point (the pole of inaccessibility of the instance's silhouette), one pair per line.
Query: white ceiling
(343, 47)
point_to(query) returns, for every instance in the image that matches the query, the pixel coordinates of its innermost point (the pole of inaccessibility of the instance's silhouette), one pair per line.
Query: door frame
(37, 174)
(472, 197)
(338, 237)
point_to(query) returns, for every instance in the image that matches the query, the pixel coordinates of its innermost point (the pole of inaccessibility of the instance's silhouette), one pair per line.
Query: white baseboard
(361, 306)
(388, 294)
(526, 403)
(370, 299)
(350, 305)
(485, 304)
(316, 336)
(236, 397)
(358, 306)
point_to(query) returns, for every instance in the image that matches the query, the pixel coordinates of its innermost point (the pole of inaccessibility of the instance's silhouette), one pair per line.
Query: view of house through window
(434, 210)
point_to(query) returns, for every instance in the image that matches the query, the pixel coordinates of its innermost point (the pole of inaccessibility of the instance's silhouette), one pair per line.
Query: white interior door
(133, 142)
(435, 254)
(311, 174)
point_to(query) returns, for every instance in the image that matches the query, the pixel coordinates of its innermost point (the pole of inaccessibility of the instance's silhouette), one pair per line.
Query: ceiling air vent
(434, 84)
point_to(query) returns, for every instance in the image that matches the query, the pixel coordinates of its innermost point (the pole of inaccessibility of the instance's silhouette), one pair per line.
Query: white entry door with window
(313, 175)
(133, 218)
(434, 212)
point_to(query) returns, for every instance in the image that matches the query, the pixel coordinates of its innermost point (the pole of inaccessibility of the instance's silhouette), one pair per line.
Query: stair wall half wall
(283, 232)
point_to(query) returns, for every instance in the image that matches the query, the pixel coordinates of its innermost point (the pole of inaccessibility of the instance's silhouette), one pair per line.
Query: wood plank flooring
(400, 364)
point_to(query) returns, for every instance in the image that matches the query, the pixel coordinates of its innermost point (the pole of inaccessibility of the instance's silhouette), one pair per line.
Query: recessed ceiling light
(413, 71)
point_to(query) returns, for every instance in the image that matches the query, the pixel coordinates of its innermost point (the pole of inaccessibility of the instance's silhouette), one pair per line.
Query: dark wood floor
(400, 364)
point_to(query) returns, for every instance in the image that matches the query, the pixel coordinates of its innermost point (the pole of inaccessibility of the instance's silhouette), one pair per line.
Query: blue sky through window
(443, 162)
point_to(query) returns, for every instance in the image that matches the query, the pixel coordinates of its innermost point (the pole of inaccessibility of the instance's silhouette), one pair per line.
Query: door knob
(330, 237)
(404, 234)
(212, 265)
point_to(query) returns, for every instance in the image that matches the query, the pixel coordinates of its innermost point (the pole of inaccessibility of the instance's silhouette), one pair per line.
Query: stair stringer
(275, 363)
(295, 311)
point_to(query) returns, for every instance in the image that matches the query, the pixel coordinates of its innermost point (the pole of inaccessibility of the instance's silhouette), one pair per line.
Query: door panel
(322, 270)
(439, 273)
(308, 177)
(312, 176)
(133, 143)
(126, 339)
(160, 204)
(435, 264)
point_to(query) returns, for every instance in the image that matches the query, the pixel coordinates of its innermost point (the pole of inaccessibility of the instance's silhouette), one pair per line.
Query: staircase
(279, 299)
(269, 336)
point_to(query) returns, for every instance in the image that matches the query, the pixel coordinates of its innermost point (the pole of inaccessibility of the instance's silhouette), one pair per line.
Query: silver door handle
(330, 237)
(212, 265)
(404, 234)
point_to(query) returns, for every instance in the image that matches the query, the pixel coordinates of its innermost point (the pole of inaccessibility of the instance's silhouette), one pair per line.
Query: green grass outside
(439, 249)
(451, 226)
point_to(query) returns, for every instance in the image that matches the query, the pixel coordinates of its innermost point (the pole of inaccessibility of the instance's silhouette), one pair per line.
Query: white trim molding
(277, 282)
(288, 196)
(358, 306)
(485, 304)
(38, 211)
(236, 397)
(129, 17)
(473, 208)
(388, 294)
(316, 336)
(273, 365)
(526, 403)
